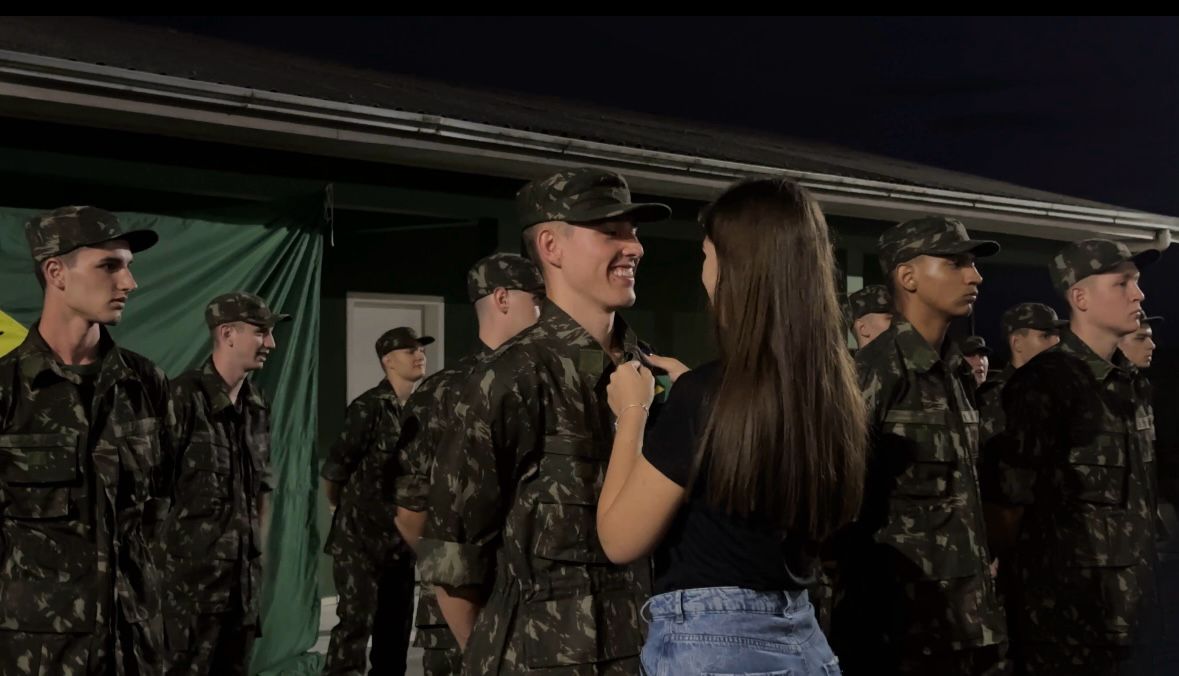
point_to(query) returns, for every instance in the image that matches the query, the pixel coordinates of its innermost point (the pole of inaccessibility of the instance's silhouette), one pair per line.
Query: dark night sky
(1085, 107)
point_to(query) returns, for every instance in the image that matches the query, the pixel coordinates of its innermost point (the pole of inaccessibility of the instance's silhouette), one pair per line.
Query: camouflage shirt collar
(1072, 344)
(918, 355)
(217, 389)
(386, 392)
(591, 358)
(36, 359)
(1006, 374)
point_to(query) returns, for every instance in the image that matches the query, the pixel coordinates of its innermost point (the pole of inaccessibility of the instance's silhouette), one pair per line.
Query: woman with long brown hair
(756, 457)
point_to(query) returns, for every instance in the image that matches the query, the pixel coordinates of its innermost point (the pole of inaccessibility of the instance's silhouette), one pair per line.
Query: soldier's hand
(631, 385)
(995, 568)
(331, 490)
(674, 367)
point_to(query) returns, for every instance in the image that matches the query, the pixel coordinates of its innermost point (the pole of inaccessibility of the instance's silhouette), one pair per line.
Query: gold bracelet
(630, 406)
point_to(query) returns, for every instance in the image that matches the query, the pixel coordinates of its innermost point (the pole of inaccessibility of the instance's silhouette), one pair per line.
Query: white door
(371, 314)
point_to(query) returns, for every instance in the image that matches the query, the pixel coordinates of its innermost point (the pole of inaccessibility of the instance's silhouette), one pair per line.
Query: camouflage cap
(929, 236)
(1031, 316)
(400, 338)
(582, 195)
(64, 229)
(241, 306)
(1078, 260)
(869, 300)
(502, 271)
(1151, 321)
(972, 345)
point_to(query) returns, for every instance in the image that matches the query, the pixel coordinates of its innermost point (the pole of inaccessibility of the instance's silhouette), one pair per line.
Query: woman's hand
(674, 367)
(632, 385)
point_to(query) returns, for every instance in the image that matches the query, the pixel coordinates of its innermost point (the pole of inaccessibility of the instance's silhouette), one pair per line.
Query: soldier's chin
(112, 318)
(622, 301)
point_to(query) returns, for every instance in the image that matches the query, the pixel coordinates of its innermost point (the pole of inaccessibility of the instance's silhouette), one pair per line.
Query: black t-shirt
(705, 547)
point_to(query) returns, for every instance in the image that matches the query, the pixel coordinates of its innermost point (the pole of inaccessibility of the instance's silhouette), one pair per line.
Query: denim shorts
(729, 630)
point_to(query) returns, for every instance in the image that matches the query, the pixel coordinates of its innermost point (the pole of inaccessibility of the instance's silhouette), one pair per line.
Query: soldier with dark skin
(515, 481)
(507, 292)
(914, 571)
(87, 446)
(1072, 477)
(372, 566)
(214, 542)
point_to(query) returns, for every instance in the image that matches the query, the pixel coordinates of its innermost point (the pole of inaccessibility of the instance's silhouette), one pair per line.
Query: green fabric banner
(275, 251)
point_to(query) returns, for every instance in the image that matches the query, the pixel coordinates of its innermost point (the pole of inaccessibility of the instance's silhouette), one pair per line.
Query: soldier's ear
(548, 243)
(54, 272)
(906, 277)
(1078, 295)
(860, 330)
(500, 297)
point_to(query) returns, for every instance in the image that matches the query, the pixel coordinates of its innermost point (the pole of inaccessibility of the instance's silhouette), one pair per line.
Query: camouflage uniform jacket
(990, 405)
(428, 414)
(919, 556)
(83, 488)
(363, 459)
(513, 499)
(1078, 455)
(213, 542)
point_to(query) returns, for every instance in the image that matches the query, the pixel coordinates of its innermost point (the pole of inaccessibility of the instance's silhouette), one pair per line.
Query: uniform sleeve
(266, 476)
(415, 450)
(353, 442)
(472, 479)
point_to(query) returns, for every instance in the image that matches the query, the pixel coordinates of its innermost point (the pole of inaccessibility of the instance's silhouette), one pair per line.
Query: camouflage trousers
(1056, 659)
(376, 599)
(985, 661)
(442, 662)
(441, 656)
(208, 643)
(131, 652)
(549, 638)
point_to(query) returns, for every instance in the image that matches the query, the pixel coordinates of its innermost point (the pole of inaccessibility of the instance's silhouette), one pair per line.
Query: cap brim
(425, 340)
(981, 248)
(639, 213)
(1145, 258)
(137, 240)
(274, 320)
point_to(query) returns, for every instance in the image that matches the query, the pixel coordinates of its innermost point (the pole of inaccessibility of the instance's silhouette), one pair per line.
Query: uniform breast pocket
(139, 452)
(39, 473)
(924, 452)
(1096, 472)
(206, 477)
(565, 525)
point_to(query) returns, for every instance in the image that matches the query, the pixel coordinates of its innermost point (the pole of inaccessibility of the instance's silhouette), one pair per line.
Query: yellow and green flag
(13, 333)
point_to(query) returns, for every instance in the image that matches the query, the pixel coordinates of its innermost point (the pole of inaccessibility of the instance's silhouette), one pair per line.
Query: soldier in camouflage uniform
(372, 566)
(869, 313)
(507, 291)
(1075, 467)
(1029, 329)
(515, 483)
(214, 542)
(978, 356)
(916, 591)
(1138, 347)
(87, 439)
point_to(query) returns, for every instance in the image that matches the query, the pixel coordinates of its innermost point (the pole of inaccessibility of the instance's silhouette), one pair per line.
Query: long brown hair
(786, 437)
